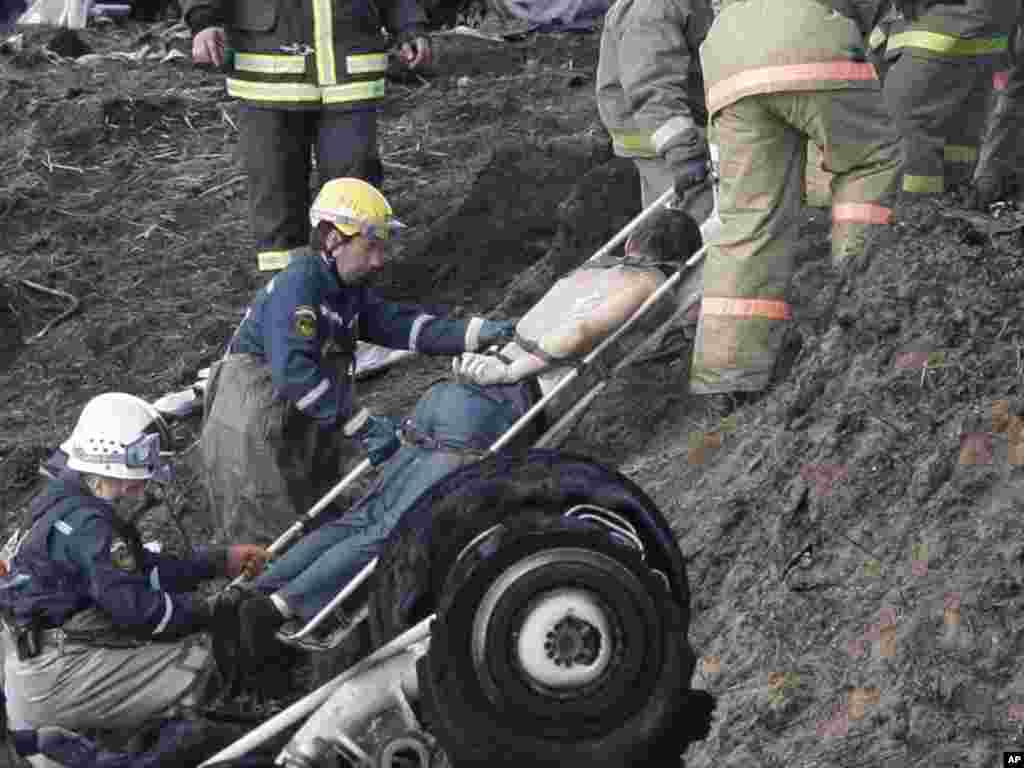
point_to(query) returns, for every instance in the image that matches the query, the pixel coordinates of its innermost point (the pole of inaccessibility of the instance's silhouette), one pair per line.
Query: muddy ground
(854, 539)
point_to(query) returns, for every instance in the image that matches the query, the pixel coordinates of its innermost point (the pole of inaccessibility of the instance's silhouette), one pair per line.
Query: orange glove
(246, 560)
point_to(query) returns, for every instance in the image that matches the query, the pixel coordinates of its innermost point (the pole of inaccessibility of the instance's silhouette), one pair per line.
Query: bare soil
(854, 538)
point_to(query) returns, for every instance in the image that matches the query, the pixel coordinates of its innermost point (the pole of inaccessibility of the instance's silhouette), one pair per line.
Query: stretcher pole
(518, 427)
(584, 402)
(337, 600)
(299, 526)
(642, 310)
(666, 197)
(514, 430)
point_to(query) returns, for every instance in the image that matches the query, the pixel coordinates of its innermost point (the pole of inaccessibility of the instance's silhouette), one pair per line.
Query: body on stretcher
(581, 311)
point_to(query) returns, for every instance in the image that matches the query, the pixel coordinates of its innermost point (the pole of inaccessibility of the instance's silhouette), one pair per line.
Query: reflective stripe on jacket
(775, 46)
(308, 53)
(650, 93)
(80, 555)
(974, 29)
(305, 306)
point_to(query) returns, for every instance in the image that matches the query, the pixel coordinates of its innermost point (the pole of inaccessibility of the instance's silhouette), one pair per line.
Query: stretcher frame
(299, 638)
(421, 631)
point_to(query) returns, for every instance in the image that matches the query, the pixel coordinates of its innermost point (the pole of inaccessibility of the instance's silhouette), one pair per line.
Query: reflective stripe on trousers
(762, 145)
(940, 109)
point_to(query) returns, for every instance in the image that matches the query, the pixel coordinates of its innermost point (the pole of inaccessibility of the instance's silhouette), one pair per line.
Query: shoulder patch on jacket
(63, 527)
(121, 556)
(304, 321)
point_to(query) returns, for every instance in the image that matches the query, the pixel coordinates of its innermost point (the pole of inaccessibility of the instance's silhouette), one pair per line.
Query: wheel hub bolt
(573, 641)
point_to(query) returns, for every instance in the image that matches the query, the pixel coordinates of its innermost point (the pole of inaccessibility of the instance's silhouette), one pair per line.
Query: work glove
(496, 332)
(377, 434)
(484, 370)
(246, 560)
(689, 169)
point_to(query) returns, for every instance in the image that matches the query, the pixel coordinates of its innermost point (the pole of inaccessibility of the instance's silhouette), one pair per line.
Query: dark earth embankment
(858, 580)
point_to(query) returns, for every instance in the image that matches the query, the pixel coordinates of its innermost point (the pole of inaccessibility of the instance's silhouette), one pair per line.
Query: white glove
(481, 369)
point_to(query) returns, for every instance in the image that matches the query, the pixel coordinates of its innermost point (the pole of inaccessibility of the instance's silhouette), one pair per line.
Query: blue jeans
(316, 568)
(313, 571)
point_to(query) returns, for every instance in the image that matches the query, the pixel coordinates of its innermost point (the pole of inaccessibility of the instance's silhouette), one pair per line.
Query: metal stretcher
(385, 672)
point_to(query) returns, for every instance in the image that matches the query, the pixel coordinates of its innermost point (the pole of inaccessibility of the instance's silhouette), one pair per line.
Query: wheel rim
(565, 640)
(517, 635)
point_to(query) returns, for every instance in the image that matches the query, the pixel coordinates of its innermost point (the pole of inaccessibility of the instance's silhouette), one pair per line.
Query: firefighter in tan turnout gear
(650, 93)
(310, 75)
(941, 59)
(780, 73)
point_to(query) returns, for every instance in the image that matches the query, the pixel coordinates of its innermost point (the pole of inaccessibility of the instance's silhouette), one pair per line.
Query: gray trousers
(86, 688)
(264, 462)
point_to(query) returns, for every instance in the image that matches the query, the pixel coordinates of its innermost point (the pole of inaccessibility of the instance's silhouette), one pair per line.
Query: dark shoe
(258, 623)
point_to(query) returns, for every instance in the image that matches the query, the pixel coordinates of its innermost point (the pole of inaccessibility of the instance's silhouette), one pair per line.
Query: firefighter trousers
(1000, 154)
(939, 107)
(762, 142)
(276, 146)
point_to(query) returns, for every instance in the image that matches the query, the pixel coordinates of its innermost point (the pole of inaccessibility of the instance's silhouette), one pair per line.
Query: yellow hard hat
(354, 207)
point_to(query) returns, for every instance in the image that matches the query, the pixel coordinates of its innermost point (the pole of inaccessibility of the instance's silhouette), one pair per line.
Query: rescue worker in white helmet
(285, 388)
(101, 632)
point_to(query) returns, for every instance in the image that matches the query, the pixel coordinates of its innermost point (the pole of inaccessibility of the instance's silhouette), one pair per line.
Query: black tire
(553, 646)
(418, 555)
(419, 552)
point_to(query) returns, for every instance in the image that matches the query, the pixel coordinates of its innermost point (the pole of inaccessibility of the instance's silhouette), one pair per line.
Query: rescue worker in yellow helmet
(941, 57)
(650, 94)
(285, 387)
(999, 170)
(780, 73)
(311, 76)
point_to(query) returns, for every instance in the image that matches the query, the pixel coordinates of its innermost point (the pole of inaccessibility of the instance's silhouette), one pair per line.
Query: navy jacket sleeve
(407, 326)
(294, 357)
(184, 574)
(125, 596)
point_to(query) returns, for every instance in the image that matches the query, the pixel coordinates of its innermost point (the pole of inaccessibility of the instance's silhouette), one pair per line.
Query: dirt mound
(504, 225)
(855, 541)
(598, 206)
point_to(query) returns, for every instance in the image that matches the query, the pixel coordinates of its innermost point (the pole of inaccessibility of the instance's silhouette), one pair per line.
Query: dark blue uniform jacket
(79, 554)
(307, 305)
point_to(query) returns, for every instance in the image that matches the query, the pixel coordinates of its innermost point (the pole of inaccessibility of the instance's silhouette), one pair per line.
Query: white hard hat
(118, 435)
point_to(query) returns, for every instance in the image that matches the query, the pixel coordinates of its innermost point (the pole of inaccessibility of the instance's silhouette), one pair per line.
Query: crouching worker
(456, 421)
(284, 390)
(100, 632)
